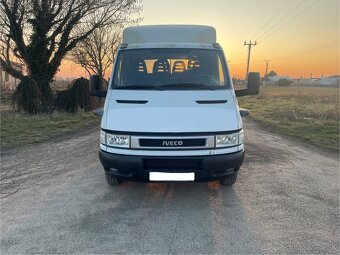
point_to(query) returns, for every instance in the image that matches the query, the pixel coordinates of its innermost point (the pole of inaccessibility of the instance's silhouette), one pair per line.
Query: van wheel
(112, 180)
(229, 180)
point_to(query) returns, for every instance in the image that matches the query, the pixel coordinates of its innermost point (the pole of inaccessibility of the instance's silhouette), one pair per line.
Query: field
(310, 114)
(19, 129)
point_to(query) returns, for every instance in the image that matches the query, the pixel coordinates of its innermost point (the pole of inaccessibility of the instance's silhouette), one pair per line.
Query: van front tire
(229, 180)
(112, 180)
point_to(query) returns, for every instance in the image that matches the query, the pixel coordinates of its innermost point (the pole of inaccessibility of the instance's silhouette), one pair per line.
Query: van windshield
(168, 69)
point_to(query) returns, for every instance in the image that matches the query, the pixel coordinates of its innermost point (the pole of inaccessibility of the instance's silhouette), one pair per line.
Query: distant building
(324, 81)
(273, 80)
(8, 82)
(330, 81)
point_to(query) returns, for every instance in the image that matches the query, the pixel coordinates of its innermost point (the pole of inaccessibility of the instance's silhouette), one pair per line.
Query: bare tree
(96, 53)
(6, 53)
(42, 32)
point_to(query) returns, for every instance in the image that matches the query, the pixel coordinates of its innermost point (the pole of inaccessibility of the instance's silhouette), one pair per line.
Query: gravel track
(54, 199)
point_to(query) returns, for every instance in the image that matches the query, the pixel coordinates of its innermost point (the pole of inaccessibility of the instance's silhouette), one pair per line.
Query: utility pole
(265, 77)
(267, 62)
(250, 44)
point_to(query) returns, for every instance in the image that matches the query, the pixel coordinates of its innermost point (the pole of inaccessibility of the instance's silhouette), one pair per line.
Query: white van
(171, 112)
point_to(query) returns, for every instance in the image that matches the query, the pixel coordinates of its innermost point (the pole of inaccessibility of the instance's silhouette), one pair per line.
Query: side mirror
(254, 81)
(253, 85)
(99, 112)
(96, 86)
(244, 112)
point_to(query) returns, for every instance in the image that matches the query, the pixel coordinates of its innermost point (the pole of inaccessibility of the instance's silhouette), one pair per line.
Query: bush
(78, 96)
(27, 96)
(284, 82)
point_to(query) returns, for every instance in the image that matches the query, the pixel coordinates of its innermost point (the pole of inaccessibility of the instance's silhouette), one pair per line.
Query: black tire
(112, 180)
(229, 180)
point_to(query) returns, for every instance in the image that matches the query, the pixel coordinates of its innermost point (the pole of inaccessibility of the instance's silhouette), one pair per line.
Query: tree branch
(9, 69)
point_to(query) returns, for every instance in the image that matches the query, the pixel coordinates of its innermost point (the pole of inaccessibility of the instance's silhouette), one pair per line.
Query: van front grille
(166, 143)
(172, 143)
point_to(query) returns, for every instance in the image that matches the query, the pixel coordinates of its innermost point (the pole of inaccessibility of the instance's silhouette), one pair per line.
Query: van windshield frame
(171, 69)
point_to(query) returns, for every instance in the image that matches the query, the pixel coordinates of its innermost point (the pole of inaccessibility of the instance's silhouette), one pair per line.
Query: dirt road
(55, 200)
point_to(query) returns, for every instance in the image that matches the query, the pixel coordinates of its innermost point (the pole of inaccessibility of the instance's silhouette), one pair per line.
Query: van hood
(171, 111)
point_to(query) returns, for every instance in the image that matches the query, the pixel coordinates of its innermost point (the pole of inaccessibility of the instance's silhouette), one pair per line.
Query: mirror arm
(98, 93)
(99, 112)
(244, 112)
(242, 92)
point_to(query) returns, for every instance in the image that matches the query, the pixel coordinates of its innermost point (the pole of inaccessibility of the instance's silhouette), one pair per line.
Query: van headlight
(229, 140)
(114, 140)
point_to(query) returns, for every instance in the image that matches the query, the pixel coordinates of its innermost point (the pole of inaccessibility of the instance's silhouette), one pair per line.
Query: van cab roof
(169, 36)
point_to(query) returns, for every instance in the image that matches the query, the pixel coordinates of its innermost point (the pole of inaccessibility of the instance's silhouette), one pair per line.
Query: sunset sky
(300, 37)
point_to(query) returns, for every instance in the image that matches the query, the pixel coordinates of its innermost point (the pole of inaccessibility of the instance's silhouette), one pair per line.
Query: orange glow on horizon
(305, 43)
(70, 70)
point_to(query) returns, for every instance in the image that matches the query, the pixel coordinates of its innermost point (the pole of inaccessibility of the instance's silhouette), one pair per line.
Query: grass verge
(310, 114)
(19, 130)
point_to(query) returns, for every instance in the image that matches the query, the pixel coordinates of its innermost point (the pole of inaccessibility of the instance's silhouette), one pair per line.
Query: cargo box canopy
(169, 36)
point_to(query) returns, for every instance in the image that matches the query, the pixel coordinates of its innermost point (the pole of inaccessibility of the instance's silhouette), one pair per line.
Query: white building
(324, 81)
(330, 81)
(273, 80)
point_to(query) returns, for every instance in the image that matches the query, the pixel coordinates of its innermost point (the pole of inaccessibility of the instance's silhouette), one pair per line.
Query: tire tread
(112, 180)
(229, 180)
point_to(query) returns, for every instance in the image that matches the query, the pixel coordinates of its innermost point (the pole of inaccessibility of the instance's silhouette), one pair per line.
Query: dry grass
(310, 114)
(18, 129)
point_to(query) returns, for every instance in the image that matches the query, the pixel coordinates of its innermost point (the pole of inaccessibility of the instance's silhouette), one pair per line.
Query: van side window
(220, 71)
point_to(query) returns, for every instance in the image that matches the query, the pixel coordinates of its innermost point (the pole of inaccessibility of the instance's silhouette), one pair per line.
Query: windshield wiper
(138, 86)
(189, 85)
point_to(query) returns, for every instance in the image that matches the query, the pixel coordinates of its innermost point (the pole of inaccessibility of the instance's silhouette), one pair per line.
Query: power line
(289, 21)
(265, 34)
(272, 18)
(239, 64)
(285, 16)
(235, 53)
(288, 13)
(295, 55)
(308, 51)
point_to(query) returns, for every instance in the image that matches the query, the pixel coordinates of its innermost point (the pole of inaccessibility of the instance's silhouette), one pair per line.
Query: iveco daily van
(171, 112)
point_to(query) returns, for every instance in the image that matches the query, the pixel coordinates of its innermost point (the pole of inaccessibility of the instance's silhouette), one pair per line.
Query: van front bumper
(138, 168)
